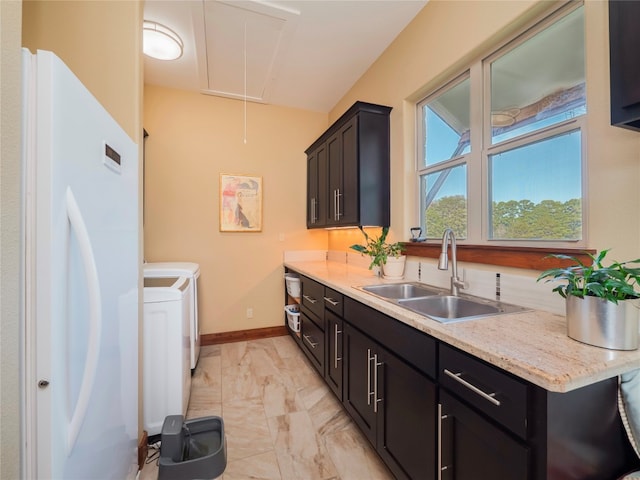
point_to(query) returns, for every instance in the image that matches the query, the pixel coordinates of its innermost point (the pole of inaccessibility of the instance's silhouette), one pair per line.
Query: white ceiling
(298, 53)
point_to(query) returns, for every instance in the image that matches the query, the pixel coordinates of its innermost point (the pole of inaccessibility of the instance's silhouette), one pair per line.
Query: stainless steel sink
(437, 304)
(399, 291)
(448, 309)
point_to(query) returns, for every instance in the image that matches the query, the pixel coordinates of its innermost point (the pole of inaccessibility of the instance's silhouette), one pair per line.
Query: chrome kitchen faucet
(443, 263)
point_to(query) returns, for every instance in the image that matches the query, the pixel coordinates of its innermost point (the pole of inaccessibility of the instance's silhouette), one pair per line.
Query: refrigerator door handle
(95, 319)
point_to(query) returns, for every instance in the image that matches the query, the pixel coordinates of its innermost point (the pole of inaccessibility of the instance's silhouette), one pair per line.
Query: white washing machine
(192, 272)
(166, 356)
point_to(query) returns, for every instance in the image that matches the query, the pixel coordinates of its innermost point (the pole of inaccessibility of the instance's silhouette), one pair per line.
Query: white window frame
(477, 161)
(442, 165)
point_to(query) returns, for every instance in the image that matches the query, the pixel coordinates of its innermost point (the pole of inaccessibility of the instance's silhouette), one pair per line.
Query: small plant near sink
(602, 302)
(379, 250)
(613, 283)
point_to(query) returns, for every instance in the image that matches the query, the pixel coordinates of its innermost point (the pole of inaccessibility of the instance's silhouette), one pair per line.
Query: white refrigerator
(80, 280)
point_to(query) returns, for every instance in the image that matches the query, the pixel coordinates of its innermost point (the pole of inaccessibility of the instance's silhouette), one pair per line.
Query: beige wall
(446, 36)
(10, 107)
(100, 41)
(192, 139)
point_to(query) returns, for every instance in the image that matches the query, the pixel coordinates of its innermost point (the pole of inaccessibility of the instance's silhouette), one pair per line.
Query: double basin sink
(437, 304)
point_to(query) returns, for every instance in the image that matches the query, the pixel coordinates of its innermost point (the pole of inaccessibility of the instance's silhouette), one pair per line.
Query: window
(504, 164)
(445, 126)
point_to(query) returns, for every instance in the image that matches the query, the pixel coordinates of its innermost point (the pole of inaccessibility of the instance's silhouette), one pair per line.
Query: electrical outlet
(249, 312)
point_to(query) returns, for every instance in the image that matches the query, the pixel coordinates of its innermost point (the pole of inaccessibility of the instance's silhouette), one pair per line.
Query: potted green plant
(387, 256)
(602, 301)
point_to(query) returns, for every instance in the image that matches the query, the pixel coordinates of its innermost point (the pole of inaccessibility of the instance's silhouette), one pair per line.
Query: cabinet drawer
(313, 341)
(312, 296)
(333, 301)
(486, 388)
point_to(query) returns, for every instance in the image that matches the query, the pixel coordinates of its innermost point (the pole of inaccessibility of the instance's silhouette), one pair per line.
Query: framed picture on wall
(240, 203)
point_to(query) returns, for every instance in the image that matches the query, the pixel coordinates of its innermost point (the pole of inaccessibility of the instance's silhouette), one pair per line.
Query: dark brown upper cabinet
(624, 45)
(348, 170)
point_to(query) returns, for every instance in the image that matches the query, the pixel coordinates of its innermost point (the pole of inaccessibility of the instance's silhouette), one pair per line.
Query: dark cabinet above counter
(624, 41)
(348, 170)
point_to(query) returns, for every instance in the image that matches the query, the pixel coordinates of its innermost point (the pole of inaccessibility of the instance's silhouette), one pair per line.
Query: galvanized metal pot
(601, 323)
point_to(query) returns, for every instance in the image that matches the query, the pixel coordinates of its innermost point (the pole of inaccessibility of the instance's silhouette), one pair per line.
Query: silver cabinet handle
(336, 332)
(309, 299)
(338, 213)
(375, 383)
(313, 210)
(458, 378)
(331, 301)
(441, 417)
(439, 446)
(309, 341)
(369, 392)
(335, 205)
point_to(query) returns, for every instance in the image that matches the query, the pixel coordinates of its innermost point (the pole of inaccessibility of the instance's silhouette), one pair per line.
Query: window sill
(532, 258)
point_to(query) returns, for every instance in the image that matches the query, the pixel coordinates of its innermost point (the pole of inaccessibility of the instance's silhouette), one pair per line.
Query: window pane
(536, 191)
(446, 125)
(541, 82)
(444, 201)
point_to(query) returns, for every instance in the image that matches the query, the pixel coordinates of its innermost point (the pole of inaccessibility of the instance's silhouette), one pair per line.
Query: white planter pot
(393, 269)
(602, 323)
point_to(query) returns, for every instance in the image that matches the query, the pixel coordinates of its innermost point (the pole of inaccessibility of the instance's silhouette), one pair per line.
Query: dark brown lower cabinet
(392, 403)
(433, 411)
(472, 448)
(493, 425)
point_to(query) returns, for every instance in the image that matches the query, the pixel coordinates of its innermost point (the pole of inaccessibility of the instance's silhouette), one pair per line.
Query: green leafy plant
(377, 248)
(615, 282)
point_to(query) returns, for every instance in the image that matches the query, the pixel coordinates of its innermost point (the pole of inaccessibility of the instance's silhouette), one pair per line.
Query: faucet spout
(443, 263)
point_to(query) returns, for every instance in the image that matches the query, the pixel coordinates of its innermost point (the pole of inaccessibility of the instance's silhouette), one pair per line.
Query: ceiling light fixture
(161, 42)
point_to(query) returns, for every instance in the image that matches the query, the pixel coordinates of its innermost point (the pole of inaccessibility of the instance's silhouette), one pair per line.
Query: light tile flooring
(281, 420)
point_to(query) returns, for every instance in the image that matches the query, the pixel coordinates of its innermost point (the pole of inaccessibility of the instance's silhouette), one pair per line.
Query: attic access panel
(232, 33)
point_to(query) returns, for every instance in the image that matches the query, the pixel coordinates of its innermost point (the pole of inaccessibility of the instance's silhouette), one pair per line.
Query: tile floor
(281, 420)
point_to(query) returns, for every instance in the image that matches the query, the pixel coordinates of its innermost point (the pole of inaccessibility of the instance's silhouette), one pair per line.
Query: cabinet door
(343, 167)
(317, 188)
(334, 178)
(358, 380)
(406, 427)
(312, 189)
(321, 203)
(474, 449)
(333, 340)
(349, 193)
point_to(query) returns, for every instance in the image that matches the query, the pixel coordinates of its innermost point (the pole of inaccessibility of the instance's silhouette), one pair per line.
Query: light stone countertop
(532, 345)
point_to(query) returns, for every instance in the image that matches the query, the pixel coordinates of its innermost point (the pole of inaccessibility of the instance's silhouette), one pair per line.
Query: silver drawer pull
(439, 444)
(309, 299)
(309, 341)
(376, 364)
(458, 378)
(336, 358)
(369, 392)
(331, 301)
